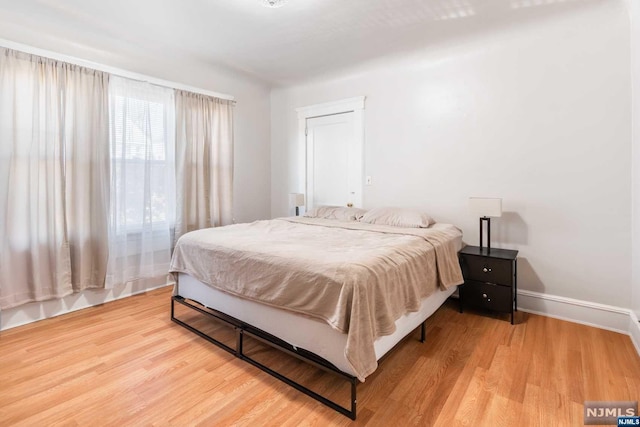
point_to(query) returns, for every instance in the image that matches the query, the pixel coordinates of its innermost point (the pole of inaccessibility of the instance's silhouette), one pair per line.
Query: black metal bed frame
(242, 328)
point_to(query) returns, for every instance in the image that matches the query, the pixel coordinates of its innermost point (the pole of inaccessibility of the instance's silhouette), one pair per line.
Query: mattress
(309, 334)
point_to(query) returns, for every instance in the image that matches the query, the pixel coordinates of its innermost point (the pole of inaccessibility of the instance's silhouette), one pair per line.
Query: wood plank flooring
(125, 363)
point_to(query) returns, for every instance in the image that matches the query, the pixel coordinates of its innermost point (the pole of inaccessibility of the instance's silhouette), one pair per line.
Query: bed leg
(423, 332)
(354, 401)
(239, 337)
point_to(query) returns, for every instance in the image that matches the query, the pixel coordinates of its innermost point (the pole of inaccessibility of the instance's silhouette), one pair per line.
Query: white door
(334, 161)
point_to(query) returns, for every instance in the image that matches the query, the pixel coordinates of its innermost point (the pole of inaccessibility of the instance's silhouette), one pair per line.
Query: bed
(353, 289)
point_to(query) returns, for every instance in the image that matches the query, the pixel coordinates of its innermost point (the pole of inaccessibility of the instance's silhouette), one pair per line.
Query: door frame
(355, 105)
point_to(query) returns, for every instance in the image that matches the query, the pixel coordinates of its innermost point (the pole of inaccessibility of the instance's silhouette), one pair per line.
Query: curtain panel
(204, 162)
(142, 208)
(53, 178)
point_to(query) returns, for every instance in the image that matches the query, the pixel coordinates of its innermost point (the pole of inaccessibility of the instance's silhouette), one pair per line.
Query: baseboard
(587, 313)
(35, 311)
(634, 331)
(602, 316)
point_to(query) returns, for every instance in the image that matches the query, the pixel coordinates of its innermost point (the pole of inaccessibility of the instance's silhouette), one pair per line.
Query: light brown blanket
(359, 278)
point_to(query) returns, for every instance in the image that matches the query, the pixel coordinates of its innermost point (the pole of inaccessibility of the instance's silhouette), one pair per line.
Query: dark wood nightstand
(490, 279)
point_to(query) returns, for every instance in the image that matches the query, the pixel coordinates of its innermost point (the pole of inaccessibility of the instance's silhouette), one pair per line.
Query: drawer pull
(484, 295)
(486, 270)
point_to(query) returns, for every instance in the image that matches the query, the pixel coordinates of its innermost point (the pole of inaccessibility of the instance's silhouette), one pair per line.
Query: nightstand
(490, 279)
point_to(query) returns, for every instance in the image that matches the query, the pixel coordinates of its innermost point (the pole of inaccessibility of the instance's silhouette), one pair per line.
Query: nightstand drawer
(492, 270)
(487, 295)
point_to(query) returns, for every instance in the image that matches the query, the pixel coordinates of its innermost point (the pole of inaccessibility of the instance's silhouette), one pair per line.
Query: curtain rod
(108, 69)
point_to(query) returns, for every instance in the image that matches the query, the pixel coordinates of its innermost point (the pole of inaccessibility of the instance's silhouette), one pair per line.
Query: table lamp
(297, 200)
(486, 208)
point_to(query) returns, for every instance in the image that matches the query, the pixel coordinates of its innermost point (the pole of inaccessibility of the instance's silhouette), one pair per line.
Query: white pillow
(339, 213)
(398, 217)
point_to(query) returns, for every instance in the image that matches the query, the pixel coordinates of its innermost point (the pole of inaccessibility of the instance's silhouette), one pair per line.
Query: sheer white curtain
(53, 150)
(204, 159)
(142, 213)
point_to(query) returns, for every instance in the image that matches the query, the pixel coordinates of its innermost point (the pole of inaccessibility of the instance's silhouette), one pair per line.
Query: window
(142, 190)
(87, 176)
(142, 160)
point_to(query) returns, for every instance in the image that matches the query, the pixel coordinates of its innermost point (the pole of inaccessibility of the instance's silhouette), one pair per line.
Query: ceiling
(300, 41)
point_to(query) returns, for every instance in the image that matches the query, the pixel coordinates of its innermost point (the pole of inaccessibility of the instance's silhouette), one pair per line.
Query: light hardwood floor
(125, 363)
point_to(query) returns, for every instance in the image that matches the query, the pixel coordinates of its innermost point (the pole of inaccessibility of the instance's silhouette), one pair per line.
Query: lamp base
(488, 220)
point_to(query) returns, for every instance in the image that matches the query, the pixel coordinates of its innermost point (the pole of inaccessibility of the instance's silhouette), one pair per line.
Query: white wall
(634, 12)
(252, 145)
(538, 114)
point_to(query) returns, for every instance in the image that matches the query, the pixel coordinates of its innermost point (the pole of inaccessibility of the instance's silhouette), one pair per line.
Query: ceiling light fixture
(273, 3)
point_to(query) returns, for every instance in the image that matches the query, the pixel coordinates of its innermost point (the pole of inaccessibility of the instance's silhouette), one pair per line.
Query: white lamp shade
(484, 206)
(296, 199)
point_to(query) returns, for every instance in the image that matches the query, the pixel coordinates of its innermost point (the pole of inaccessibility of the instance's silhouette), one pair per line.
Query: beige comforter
(359, 278)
